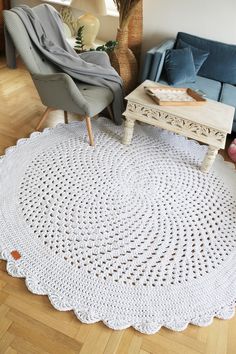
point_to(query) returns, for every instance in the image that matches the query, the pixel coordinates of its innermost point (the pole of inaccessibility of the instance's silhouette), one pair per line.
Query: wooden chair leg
(44, 117)
(89, 129)
(65, 117)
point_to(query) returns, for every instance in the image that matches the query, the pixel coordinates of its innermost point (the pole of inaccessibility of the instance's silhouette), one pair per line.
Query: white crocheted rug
(128, 235)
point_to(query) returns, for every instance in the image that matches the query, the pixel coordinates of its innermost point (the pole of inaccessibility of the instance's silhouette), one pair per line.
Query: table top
(213, 114)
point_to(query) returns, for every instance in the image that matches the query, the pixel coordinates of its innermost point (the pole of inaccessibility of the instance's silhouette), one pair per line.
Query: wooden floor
(28, 323)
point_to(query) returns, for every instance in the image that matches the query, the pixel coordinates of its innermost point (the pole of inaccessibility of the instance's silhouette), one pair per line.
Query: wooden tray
(174, 96)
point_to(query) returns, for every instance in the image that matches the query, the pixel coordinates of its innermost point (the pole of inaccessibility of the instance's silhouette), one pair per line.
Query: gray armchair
(57, 90)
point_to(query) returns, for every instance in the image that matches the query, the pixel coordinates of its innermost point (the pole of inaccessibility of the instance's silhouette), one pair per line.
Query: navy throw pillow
(199, 55)
(179, 66)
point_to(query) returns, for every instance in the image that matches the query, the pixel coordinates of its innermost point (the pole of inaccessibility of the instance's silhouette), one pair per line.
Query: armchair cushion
(97, 97)
(199, 55)
(179, 66)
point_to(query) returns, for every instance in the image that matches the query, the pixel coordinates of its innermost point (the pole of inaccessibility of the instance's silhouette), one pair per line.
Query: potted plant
(80, 46)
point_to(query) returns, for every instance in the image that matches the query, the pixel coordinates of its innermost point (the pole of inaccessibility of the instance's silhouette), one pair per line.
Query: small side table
(209, 123)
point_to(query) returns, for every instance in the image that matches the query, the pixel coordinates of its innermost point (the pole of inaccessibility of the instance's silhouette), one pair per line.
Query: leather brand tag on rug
(16, 255)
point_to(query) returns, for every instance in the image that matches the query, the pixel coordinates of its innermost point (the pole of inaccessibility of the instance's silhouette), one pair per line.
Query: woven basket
(136, 31)
(124, 61)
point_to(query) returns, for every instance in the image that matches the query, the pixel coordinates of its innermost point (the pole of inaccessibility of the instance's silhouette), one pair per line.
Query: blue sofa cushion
(199, 55)
(221, 62)
(228, 96)
(210, 88)
(154, 61)
(179, 66)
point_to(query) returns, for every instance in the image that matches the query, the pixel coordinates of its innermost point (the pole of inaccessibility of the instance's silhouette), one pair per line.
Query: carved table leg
(209, 158)
(128, 133)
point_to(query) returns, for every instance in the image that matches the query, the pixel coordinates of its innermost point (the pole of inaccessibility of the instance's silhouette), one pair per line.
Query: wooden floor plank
(113, 342)
(22, 346)
(6, 341)
(10, 350)
(40, 335)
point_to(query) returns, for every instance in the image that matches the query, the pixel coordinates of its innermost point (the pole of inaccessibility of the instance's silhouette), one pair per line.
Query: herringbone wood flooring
(28, 323)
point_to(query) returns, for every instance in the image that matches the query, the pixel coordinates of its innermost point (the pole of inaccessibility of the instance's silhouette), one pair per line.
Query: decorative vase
(136, 31)
(91, 26)
(124, 61)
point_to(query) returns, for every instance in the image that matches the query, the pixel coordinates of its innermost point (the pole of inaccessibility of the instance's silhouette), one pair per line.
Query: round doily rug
(128, 235)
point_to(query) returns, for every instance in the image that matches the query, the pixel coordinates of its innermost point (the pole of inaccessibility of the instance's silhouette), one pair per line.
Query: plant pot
(124, 61)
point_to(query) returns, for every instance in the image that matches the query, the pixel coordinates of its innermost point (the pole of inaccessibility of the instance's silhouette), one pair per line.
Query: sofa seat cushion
(228, 96)
(210, 88)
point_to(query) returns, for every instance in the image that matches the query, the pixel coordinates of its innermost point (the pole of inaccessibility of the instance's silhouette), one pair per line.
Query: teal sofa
(216, 78)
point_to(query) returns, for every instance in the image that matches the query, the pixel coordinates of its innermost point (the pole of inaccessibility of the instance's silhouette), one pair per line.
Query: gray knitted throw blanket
(45, 29)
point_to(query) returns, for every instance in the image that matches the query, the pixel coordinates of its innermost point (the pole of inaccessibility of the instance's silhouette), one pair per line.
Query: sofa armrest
(60, 91)
(154, 60)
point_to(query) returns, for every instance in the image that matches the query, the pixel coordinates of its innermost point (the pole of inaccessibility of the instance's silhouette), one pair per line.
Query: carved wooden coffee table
(208, 123)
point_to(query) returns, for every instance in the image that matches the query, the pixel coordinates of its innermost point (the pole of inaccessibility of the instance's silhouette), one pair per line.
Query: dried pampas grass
(125, 9)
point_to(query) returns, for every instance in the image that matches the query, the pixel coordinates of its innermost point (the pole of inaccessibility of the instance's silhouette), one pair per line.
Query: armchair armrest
(154, 60)
(59, 91)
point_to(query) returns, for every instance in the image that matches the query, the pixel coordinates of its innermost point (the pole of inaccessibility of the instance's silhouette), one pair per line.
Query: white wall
(213, 19)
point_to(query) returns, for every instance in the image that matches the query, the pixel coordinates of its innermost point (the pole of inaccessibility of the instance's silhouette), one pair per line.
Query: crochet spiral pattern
(129, 235)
